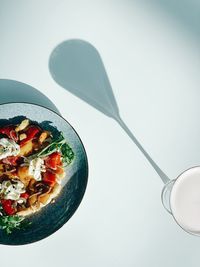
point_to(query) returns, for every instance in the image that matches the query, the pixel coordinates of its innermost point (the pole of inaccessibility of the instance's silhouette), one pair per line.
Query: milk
(185, 200)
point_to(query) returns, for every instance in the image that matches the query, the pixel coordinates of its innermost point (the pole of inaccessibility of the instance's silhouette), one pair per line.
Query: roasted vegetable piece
(41, 187)
(30, 134)
(23, 172)
(7, 206)
(1, 168)
(9, 131)
(31, 184)
(26, 148)
(53, 160)
(49, 178)
(23, 175)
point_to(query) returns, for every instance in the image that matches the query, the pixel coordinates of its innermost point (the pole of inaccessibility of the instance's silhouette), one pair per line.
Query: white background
(151, 55)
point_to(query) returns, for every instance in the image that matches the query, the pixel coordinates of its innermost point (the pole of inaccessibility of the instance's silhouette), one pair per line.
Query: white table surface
(152, 60)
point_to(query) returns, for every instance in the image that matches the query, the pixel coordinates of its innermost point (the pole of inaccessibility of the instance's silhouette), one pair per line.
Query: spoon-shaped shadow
(77, 66)
(14, 91)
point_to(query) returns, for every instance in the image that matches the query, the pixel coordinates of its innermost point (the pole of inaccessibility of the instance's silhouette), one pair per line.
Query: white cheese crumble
(36, 166)
(12, 190)
(8, 147)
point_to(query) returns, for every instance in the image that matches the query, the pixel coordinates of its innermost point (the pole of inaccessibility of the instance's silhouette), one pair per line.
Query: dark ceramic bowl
(50, 218)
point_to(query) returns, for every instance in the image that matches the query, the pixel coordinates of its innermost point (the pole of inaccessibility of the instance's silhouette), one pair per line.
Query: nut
(43, 137)
(22, 125)
(22, 136)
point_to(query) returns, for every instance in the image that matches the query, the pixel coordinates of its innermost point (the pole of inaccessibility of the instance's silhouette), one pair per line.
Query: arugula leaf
(57, 144)
(11, 223)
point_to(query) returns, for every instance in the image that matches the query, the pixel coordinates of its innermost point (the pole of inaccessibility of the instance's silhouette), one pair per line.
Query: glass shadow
(77, 66)
(15, 91)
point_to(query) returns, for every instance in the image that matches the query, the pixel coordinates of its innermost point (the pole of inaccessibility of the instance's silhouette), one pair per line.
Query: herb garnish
(11, 223)
(57, 144)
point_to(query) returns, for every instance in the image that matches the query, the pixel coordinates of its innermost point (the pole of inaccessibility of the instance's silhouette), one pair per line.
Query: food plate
(51, 217)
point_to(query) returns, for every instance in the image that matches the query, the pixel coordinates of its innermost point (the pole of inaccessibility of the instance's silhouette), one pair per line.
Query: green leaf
(11, 223)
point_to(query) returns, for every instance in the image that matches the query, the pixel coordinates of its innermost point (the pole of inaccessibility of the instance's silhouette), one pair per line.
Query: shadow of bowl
(15, 91)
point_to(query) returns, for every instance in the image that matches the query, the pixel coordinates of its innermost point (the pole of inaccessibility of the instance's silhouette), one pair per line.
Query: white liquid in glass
(185, 200)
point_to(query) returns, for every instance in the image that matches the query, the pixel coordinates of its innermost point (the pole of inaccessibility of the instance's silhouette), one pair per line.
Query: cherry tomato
(7, 206)
(53, 160)
(49, 178)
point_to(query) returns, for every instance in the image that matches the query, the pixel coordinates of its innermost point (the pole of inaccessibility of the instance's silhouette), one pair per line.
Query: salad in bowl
(33, 162)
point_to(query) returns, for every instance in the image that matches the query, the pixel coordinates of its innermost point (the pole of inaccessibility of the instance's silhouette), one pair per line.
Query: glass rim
(175, 180)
